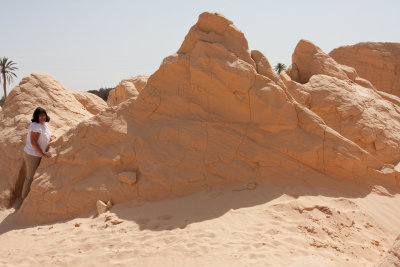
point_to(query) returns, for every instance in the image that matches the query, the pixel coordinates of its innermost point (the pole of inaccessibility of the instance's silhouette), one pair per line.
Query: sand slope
(246, 225)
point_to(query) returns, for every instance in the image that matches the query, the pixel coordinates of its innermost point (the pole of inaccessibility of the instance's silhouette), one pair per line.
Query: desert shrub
(102, 92)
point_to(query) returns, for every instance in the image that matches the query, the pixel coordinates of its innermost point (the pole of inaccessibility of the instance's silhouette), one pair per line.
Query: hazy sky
(88, 44)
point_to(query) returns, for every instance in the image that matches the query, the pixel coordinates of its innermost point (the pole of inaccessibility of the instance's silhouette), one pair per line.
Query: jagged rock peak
(263, 66)
(215, 28)
(308, 60)
(126, 89)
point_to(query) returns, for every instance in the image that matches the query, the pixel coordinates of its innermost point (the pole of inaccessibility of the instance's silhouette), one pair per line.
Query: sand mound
(67, 109)
(126, 89)
(379, 63)
(213, 114)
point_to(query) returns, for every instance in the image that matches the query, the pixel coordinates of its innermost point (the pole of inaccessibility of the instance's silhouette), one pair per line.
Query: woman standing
(37, 146)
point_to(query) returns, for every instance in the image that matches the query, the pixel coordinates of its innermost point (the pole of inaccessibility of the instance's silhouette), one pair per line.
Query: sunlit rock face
(378, 63)
(347, 103)
(214, 113)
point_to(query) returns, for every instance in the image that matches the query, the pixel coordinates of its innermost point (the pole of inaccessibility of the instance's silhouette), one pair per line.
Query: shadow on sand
(216, 201)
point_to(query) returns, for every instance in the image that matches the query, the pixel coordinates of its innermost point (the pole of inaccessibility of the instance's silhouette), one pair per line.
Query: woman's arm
(51, 140)
(35, 145)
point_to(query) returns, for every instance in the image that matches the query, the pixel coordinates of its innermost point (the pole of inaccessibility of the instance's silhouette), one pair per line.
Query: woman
(37, 146)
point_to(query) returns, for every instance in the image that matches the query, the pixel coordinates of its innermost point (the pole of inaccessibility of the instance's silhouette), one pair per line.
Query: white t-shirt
(43, 141)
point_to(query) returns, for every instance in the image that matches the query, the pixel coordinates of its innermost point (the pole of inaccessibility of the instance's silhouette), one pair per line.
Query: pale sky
(89, 44)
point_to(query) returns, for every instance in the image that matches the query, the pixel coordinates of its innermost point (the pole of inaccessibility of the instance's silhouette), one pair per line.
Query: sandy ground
(254, 224)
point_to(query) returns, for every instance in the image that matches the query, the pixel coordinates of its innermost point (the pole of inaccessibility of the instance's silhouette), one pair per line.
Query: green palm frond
(7, 74)
(279, 67)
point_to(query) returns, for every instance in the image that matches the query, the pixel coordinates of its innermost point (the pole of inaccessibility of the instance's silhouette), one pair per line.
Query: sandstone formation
(378, 63)
(126, 89)
(352, 108)
(66, 109)
(393, 256)
(214, 113)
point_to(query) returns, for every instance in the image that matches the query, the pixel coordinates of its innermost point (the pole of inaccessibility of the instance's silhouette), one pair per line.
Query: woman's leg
(31, 163)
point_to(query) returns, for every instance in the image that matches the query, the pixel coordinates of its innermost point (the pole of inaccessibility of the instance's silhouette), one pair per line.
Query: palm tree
(279, 67)
(7, 69)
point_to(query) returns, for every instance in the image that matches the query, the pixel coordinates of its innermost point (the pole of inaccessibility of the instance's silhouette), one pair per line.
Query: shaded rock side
(66, 109)
(378, 63)
(126, 89)
(346, 103)
(208, 116)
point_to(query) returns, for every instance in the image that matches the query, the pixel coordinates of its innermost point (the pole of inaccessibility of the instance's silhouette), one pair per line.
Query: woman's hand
(47, 154)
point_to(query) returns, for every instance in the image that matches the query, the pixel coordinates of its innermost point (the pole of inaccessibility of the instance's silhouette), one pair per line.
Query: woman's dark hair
(37, 112)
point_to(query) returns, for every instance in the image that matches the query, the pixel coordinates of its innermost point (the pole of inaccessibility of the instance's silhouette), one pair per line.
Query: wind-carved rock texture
(126, 89)
(66, 109)
(348, 104)
(213, 113)
(378, 63)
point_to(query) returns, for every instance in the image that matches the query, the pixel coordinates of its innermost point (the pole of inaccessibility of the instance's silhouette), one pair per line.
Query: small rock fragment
(109, 205)
(127, 177)
(115, 222)
(101, 206)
